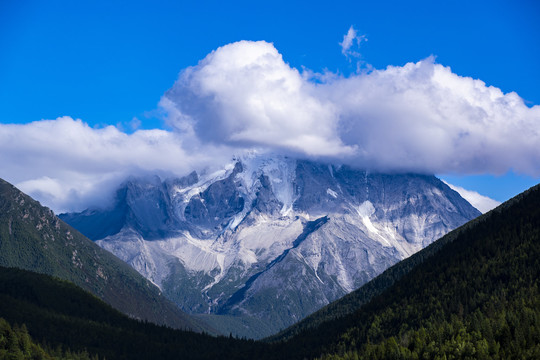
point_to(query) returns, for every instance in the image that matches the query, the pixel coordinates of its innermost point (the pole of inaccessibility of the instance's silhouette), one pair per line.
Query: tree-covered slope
(473, 294)
(16, 343)
(33, 238)
(59, 314)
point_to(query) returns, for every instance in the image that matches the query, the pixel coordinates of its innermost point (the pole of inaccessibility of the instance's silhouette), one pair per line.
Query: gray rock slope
(271, 240)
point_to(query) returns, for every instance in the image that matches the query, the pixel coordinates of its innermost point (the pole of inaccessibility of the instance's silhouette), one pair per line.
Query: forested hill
(32, 238)
(58, 314)
(477, 296)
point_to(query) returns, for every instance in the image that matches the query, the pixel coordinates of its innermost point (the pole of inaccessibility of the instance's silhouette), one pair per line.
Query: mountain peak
(203, 238)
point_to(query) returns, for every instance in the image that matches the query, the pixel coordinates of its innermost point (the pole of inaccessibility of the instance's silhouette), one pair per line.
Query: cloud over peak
(417, 117)
(244, 94)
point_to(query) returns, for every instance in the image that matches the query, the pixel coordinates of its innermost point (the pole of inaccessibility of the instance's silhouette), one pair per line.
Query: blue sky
(110, 62)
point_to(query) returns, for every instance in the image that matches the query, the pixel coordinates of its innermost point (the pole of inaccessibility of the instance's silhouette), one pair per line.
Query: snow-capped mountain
(271, 239)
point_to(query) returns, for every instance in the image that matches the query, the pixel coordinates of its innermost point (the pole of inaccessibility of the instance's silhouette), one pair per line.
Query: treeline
(58, 313)
(16, 343)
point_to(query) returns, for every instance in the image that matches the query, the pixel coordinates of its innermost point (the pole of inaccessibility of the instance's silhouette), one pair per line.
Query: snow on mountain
(271, 239)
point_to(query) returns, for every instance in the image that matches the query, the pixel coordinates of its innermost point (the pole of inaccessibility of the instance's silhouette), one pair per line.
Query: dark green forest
(16, 343)
(58, 313)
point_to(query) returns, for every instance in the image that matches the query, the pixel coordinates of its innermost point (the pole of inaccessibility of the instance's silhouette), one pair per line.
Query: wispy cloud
(481, 202)
(351, 43)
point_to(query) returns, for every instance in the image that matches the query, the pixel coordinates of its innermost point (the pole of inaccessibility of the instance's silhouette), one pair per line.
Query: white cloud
(481, 202)
(423, 117)
(244, 95)
(349, 39)
(418, 117)
(68, 165)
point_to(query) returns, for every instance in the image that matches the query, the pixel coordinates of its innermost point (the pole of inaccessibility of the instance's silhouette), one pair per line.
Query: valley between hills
(472, 293)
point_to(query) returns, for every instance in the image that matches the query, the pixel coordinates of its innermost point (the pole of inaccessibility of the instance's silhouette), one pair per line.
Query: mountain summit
(270, 240)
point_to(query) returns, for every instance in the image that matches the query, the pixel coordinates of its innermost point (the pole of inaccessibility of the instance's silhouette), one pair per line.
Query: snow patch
(332, 193)
(280, 171)
(365, 211)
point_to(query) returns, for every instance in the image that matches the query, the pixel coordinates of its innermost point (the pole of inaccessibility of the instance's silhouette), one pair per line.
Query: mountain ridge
(216, 231)
(62, 316)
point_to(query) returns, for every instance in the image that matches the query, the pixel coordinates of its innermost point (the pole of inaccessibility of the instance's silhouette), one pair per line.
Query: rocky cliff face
(271, 239)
